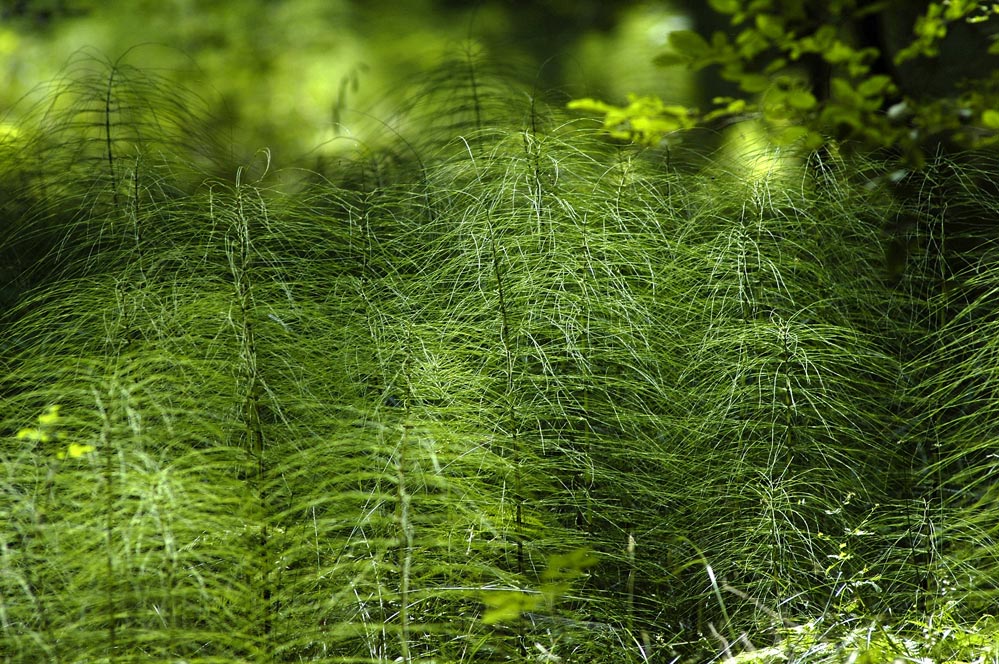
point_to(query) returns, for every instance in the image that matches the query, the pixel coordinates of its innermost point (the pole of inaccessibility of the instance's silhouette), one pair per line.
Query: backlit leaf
(688, 43)
(725, 6)
(75, 451)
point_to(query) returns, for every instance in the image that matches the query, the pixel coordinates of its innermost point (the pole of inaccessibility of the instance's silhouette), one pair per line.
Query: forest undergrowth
(493, 389)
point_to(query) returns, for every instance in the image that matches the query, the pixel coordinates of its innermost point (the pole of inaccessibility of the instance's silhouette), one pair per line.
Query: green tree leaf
(74, 451)
(771, 26)
(801, 100)
(753, 83)
(689, 44)
(725, 6)
(875, 85)
(670, 59)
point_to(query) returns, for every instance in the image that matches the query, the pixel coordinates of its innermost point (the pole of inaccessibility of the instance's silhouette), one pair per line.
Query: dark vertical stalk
(106, 436)
(107, 137)
(511, 409)
(511, 415)
(787, 402)
(37, 563)
(474, 87)
(135, 212)
(252, 408)
(405, 534)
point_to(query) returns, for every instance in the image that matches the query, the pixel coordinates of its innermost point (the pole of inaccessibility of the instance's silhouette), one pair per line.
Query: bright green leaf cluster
(562, 570)
(645, 120)
(778, 45)
(74, 451)
(931, 28)
(47, 431)
(506, 606)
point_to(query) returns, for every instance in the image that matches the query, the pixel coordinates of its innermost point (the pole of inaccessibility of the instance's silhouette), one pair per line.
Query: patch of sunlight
(8, 131)
(75, 451)
(751, 156)
(9, 41)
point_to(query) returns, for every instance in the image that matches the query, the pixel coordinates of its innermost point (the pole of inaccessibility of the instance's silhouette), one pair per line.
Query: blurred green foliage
(309, 78)
(316, 77)
(816, 72)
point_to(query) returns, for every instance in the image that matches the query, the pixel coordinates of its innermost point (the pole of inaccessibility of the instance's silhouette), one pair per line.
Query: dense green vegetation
(490, 389)
(898, 76)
